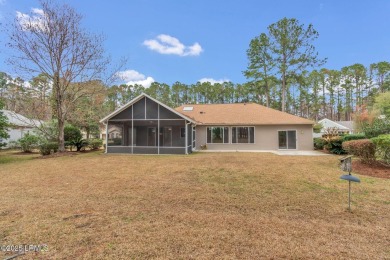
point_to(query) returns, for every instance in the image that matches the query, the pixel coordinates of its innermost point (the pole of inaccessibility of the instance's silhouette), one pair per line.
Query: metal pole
(349, 196)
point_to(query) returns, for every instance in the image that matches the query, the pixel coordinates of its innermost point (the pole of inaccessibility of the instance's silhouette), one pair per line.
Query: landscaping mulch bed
(56, 155)
(23, 153)
(374, 170)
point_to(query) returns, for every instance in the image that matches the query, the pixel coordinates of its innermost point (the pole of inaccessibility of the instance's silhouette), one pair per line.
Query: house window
(217, 135)
(182, 132)
(243, 135)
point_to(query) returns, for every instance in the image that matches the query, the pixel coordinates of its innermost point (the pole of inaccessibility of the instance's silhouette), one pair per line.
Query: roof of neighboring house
(347, 124)
(239, 114)
(19, 120)
(327, 123)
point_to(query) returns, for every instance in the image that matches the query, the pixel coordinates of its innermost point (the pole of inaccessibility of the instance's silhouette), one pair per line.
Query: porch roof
(105, 119)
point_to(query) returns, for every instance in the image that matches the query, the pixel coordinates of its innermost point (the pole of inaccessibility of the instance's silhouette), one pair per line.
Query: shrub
(95, 144)
(319, 143)
(13, 145)
(71, 133)
(317, 128)
(351, 137)
(364, 149)
(29, 142)
(334, 145)
(382, 144)
(47, 148)
(376, 128)
(79, 143)
(117, 141)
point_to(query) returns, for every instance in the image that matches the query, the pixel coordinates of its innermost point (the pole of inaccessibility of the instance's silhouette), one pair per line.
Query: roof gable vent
(188, 108)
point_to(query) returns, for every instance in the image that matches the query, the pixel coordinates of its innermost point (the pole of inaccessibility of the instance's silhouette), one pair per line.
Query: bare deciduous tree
(51, 41)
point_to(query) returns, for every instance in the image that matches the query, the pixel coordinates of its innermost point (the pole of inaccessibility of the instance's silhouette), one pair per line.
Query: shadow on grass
(10, 156)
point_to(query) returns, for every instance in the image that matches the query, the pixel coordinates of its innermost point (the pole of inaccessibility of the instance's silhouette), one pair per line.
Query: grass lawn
(205, 205)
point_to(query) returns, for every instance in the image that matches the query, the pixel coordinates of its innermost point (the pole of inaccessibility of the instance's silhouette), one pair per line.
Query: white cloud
(128, 75)
(133, 77)
(166, 44)
(27, 21)
(213, 81)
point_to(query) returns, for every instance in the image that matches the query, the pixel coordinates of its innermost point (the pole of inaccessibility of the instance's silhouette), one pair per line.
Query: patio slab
(279, 152)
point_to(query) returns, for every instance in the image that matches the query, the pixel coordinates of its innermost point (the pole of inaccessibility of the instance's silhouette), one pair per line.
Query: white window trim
(296, 140)
(223, 134)
(254, 134)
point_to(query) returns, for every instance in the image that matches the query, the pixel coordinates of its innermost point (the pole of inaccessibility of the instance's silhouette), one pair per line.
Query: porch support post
(186, 135)
(158, 129)
(106, 136)
(132, 129)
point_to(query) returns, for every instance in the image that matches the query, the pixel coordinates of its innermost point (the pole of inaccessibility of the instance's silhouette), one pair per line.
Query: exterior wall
(16, 133)
(266, 138)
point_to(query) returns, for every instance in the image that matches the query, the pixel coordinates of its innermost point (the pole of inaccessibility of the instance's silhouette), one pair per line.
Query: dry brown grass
(204, 206)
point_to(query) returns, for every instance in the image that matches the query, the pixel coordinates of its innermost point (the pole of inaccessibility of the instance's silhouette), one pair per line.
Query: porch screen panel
(151, 109)
(115, 134)
(139, 109)
(166, 114)
(125, 114)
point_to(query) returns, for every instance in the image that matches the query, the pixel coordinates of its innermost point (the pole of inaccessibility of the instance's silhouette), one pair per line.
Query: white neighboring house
(343, 127)
(20, 125)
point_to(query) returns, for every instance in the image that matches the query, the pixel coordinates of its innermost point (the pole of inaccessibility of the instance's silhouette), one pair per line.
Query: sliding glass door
(287, 139)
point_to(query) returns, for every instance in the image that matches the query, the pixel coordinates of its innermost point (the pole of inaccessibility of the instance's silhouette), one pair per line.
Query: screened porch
(146, 127)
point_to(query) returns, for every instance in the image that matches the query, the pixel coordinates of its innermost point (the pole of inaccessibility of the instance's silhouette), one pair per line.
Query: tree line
(66, 65)
(334, 94)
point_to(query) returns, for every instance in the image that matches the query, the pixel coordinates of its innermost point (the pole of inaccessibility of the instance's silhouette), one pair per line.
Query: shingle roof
(240, 114)
(347, 124)
(19, 120)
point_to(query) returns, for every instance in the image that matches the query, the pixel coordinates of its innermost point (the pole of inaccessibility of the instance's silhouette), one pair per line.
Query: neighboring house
(19, 125)
(349, 125)
(146, 126)
(342, 127)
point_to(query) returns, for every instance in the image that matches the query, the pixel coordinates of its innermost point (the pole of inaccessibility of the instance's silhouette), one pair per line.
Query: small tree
(51, 41)
(73, 137)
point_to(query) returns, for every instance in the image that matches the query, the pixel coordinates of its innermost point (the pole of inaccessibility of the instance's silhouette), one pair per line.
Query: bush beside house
(364, 149)
(382, 143)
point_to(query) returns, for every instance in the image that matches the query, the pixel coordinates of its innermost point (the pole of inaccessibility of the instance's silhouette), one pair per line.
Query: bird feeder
(346, 165)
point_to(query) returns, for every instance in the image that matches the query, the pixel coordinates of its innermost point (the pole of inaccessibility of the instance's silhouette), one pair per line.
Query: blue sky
(209, 39)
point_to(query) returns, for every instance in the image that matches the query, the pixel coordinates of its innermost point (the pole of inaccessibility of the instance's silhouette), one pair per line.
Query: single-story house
(348, 124)
(19, 125)
(342, 127)
(147, 126)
